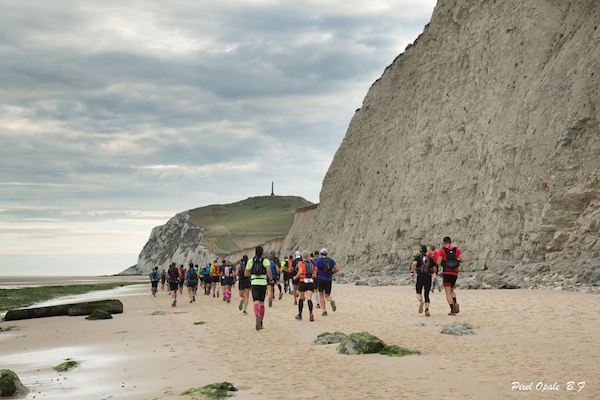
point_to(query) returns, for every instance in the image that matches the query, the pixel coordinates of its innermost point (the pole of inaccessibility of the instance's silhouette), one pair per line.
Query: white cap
(324, 250)
(297, 255)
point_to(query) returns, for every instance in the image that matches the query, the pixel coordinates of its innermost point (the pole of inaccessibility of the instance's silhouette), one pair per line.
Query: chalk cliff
(486, 129)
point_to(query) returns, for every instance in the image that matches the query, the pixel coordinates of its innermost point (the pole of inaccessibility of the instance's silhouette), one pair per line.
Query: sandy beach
(526, 336)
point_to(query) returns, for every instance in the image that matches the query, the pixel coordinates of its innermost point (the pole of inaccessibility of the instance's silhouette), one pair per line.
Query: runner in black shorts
(243, 284)
(259, 271)
(295, 281)
(423, 266)
(326, 268)
(450, 257)
(305, 275)
(173, 277)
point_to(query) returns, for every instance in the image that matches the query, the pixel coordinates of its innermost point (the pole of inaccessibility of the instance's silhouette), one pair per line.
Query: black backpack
(327, 267)
(451, 259)
(257, 266)
(425, 265)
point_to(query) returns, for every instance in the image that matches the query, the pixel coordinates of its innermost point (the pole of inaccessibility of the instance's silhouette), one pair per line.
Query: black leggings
(424, 282)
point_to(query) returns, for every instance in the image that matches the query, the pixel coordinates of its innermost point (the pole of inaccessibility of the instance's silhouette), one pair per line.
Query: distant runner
(326, 268)
(423, 266)
(222, 277)
(215, 273)
(154, 278)
(450, 257)
(305, 276)
(173, 278)
(435, 283)
(207, 283)
(259, 271)
(275, 281)
(191, 279)
(163, 278)
(227, 281)
(243, 284)
(294, 273)
(181, 278)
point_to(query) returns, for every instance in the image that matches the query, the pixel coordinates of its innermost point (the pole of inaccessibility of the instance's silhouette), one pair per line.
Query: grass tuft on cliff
(236, 226)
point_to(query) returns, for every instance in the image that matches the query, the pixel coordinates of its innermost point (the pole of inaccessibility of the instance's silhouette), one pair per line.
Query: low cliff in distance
(201, 234)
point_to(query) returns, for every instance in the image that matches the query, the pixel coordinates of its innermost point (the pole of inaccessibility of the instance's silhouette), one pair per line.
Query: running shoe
(318, 306)
(299, 317)
(245, 312)
(270, 301)
(191, 301)
(456, 308)
(427, 313)
(213, 295)
(333, 306)
(241, 305)
(258, 323)
(311, 318)
(228, 300)
(174, 303)
(324, 314)
(420, 307)
(280, 295)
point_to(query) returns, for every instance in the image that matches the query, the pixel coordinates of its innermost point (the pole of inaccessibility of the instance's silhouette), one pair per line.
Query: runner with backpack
(191, 281)
(259, 271)
(275, 272)
(423, 266)
(207, 282)
(244, 284)
(173, 277)
(227, 270)
(154, 278)
(305, 277)
(450, 257)
(326, 268)
(215, 273)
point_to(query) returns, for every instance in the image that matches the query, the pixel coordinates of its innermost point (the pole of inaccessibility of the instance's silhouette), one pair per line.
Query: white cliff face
(177, 241)
(487, 130)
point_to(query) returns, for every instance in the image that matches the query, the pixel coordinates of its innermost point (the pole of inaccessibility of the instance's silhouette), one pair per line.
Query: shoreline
(138, 355)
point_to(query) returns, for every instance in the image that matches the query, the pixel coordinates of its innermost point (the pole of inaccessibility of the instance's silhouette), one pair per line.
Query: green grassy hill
(235, 226)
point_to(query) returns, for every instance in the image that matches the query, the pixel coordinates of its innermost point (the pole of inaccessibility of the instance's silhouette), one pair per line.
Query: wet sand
(528, 336)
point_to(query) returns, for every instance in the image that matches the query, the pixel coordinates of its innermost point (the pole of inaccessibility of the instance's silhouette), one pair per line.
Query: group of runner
(426, 265)
(304, 275)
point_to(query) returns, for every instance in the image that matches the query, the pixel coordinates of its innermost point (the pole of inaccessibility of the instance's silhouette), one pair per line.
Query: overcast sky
(115, 115)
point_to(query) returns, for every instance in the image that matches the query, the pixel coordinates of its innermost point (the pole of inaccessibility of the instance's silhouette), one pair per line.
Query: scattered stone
(10, 384)
(85, 308)
(330, 338)
(215, 391)
(66, 365)
(360, 343)
(159, 312)
(199, 323)
(99, 314)
(394, 350)
(458, 329)
(9, 329)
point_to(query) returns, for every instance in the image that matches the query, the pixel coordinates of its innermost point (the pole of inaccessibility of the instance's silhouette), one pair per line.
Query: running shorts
(228, 281)
(192, 284)
(214, 279)
(324, 286)
(304, 287)
(295, 282)
(173, 285)
(244, 283)
(259, 293)
(450, 280)
(154, 284)
(423, 281)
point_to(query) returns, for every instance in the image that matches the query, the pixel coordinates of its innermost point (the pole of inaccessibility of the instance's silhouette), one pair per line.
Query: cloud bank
(115, 115)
